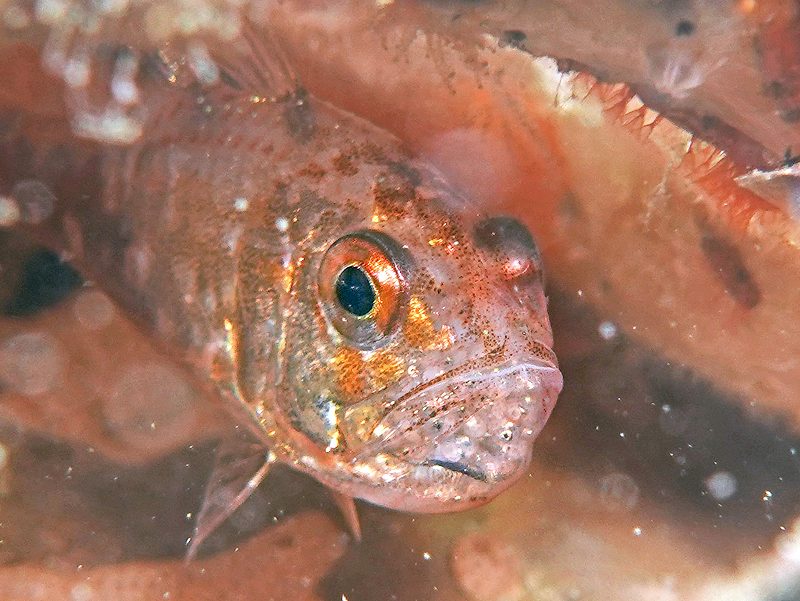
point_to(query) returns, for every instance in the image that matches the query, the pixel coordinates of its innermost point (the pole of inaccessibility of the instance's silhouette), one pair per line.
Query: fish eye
(355, 291)
(362, 285)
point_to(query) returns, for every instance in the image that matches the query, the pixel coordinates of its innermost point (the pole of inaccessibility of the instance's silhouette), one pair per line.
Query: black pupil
(354, 291)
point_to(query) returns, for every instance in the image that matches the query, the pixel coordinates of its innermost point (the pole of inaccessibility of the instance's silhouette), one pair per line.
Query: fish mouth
(458, 440)
(459, 468)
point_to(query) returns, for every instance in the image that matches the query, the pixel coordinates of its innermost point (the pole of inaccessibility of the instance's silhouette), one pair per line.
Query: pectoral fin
(239, 467)
(347, 507)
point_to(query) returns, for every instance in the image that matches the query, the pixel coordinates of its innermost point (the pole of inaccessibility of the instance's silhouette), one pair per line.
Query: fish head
(429, 370)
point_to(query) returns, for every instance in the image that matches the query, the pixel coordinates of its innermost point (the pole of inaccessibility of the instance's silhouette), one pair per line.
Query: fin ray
(239, 467)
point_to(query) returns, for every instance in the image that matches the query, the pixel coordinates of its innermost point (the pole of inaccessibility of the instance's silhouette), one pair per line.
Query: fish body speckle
(379, 333)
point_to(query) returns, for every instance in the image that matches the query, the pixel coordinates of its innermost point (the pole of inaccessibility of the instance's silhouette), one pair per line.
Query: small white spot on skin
(31, 363)
(76, 73)
(637, 531)
(186, 278)
(721, 485)
(9, 212)
(241, 204)
(123, 85)
(124, 90)
(282, 225)
(112, 126)
(138, 260)
(50, 11)
(93, 310)
(202, 65)
(210, 301)
(230, 238)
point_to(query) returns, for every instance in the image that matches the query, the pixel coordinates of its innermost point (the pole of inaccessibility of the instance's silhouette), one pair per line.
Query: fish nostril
(511, 243)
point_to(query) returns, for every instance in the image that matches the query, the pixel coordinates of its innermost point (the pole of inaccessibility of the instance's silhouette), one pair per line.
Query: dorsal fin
(256, 63)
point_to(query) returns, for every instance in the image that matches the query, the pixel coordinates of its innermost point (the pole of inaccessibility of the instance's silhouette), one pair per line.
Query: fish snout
(468, 438)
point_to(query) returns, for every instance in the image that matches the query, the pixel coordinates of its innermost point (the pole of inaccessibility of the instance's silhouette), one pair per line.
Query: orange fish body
(378, 333)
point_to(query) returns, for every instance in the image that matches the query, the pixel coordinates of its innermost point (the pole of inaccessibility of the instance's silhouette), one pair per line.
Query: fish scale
(224, 228)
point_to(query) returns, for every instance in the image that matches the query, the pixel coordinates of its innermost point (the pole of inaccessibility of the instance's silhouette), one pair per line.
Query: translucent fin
(347, 506)
(239, 467)
(256, 63)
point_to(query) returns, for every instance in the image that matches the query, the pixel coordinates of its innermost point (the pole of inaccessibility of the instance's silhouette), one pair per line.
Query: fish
(361, 318)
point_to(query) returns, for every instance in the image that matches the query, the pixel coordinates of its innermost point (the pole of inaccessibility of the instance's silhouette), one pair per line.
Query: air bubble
(618, 491)
(93, 310)
(150, 404)
(721, 485)
(76, 73)
(607, 330)
(486, 568)
(31, 363)
(35, 200)
(15, 17)
(50, 12)
(111, 6)
(112, 126)
(202, 65)
(123, 85)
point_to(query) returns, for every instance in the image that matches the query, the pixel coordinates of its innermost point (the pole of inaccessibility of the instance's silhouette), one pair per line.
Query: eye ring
(363, 286)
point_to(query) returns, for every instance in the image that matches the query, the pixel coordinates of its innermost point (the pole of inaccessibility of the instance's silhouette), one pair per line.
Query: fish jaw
(451, 445)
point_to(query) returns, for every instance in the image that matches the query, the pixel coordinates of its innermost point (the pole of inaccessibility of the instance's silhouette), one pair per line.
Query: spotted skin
(214, 229)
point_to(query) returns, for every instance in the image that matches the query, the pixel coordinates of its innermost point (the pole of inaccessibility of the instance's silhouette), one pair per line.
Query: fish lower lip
(461, 468)
(502, 369)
